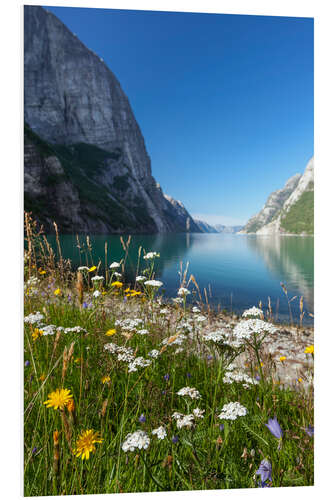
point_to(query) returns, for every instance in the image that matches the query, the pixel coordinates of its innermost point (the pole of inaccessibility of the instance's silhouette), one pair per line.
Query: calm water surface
(237, 270)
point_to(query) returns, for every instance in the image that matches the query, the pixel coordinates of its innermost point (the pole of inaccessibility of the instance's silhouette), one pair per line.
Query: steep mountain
(295, 215)
(205, 227)
(272, 206)
(83, 146)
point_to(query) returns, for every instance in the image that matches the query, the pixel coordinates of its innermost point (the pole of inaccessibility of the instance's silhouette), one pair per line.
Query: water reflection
(290, 259)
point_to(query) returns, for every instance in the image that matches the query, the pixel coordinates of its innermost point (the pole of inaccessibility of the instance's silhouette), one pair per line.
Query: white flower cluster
(154, 353)
(50, 329)
(245, 329)
(160, 432)
(129, 324)
(138, 439)
(140, 278)
(189, 391)
(96, 294)
(151, 255)
(117, 275)
(182, 292)
(138, 362)
(83, 268)
(254, 311)
(124, 353)
(195, 309)
(34, 318)
(231, 411)
(187, 420)
(217, 336)
(237, 376)
(154, 283)
(200, 319)
(164, 311)
(114, 265)
(143, 331)
(177, 300)
(31, 286)
(97, 278)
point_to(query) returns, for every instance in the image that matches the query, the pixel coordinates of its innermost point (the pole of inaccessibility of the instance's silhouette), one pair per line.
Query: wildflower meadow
(127, 391)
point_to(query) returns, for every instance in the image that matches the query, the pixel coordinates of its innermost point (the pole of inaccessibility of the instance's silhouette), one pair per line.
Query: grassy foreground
(118, 356)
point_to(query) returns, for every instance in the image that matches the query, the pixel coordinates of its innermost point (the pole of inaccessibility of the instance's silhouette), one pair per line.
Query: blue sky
(224, 102)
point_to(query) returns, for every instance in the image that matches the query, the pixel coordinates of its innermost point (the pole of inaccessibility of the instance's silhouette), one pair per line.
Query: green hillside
(300, 218)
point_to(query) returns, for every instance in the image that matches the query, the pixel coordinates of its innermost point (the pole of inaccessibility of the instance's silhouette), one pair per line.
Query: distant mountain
(289, 210)
(216, 228)
(227, 229)
(205, 227)
(86, 164)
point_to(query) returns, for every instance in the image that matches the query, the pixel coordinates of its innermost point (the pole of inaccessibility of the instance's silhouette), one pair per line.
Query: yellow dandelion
(127, 290)
(58, 399)
(309, 349)
(111, 332)
(41, 271)
(117, 284)
(85, 443)
(93, 268)
(36, 334)
(106, 379)
(57, 292)
(300, 380)
(134, 293)
(282, 358)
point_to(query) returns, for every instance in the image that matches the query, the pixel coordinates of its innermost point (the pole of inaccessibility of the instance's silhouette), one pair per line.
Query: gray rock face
(272, 206)
(205, 227)
(72, 98)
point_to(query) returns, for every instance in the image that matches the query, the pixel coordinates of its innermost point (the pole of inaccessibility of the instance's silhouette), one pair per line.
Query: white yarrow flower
(154, 283)
(189, 391)
(198, 413)
(151, 255)
(97, 278)
(138, 439)
(182, 292)
(34, 318)
(231, 411)
(140, 278)
(254, 311)
(96, 294)
(160, 432)
(114, 265)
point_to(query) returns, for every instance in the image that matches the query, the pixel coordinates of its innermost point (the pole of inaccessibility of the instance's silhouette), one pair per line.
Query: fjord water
(238, 271)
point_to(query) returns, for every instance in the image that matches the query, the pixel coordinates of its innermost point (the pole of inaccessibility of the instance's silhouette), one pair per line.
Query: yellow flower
(127, 290)
(41, 271)
(42, 377)
(134, 293)
(85, 444)
(77, 360)
(106, 379)
(300, 380)
(57, 291)
(70, 405)
(111, 332)
(93, 268)
(36, 334)
(282, 358)
(56, 438)
(117, 284)
(309, 349)
(58, 399)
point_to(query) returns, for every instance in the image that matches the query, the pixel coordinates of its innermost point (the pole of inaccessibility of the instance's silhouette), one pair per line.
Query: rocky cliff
(79, 119)
(289, 210)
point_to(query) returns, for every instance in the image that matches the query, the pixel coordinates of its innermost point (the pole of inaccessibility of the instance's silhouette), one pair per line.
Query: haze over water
(237, 271)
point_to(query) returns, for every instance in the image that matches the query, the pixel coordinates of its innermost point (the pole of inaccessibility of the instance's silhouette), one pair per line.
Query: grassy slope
(300, 218)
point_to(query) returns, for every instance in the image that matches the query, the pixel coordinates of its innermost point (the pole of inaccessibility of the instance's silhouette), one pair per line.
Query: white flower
(200, 318)
(49, 329)
(97, 278)
(245, 329)
(195, 309)
(138, 439)
(182, 292)
(189, 391)
(174, 340)
(154, 353)
(198, 413)
(176, 415)
(216, 336)
(83, 268)
(254, 311)
(140, 278)
(138, 362)
(34, 318)
(185, 421)
(231, 411)
(151, 255)
(117, 275)
(180, 349)
(177, 300)
(111, 347)
(114, 265)
(96, 294)
(143, 331)
(164, 311)
(73, 329)
(160, 432)
(154, 283)
(239, 377)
